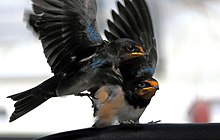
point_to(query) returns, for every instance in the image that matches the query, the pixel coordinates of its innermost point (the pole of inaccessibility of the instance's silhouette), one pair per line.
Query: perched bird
(79, 58)
(116, 105)
(127, 102)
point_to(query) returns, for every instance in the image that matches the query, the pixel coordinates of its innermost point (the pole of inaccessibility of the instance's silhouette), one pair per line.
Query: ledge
(143, 131)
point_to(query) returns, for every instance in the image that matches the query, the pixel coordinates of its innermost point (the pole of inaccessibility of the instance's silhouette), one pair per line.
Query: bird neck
(135, 100)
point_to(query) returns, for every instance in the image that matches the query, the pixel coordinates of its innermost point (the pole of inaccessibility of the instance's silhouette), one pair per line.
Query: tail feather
(32, 98)
(25, 102)
(20, 111)
(22, 103)
(19, 96)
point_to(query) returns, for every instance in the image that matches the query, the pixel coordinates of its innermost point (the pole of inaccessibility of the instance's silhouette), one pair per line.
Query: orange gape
(147, 93)
(152, 83)
(141, 49)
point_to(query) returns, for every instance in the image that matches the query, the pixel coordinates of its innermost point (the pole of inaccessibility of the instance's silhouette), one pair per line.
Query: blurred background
(188, 37)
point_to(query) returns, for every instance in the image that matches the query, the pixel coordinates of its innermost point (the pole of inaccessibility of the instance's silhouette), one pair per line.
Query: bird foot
(154, 122)
(129, 122)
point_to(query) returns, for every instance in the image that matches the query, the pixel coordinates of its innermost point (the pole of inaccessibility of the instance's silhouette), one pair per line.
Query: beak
(140, 53)
(154, 84)
(149, 92)
(137, 54)
(151, 88)
(141, 49)
(133, 55)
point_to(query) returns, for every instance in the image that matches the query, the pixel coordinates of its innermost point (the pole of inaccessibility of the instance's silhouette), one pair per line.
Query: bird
(125, 103)
(116, 104)
(78, 56)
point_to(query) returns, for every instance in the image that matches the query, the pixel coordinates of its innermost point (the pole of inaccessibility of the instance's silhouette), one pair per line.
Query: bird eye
(142, 85)
(131, 48)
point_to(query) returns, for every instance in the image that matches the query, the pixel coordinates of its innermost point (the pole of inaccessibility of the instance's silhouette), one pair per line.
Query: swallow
(79, 58)
(116, 105)
(127, 102)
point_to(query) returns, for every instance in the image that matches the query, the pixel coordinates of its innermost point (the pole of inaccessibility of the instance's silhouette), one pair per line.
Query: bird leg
(86, 94)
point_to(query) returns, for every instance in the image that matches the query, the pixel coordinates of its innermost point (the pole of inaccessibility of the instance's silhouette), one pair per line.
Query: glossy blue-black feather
(134, 21)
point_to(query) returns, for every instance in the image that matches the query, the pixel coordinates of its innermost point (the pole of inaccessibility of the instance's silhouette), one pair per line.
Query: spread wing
(67, 30)
(134, 21)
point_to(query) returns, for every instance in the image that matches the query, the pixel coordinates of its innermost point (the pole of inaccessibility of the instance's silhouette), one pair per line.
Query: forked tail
(32, 98)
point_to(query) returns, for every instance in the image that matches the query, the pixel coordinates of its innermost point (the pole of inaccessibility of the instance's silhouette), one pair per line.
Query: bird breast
(113, 107)
(128, 112)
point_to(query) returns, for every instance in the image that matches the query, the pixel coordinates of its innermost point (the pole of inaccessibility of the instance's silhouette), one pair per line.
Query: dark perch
(143, 131)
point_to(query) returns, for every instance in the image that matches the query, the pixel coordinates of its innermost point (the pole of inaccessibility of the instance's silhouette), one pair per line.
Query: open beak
(149, 92)
(135, 54)
(140, 53)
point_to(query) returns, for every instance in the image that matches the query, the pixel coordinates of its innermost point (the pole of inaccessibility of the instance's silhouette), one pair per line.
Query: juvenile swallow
(116, 105)
(134, 21)
(79, 58)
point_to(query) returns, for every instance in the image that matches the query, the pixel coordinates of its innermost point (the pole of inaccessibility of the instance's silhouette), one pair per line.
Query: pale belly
(128, 112)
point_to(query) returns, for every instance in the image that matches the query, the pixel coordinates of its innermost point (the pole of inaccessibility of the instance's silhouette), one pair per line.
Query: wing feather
(64, 27)
(134, 20)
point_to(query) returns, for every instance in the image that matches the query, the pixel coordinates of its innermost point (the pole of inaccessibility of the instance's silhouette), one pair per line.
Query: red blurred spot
(200, 112)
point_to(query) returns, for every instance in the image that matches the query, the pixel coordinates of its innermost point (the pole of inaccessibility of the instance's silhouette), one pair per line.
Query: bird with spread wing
(79, 58)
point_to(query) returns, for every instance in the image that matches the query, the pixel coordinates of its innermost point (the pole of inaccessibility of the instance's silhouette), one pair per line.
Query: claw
(154, 122)
(129, 122)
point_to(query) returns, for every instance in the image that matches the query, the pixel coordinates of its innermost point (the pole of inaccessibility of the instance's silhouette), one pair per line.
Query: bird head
(127, 49)
(147, 88)
(139, 91)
